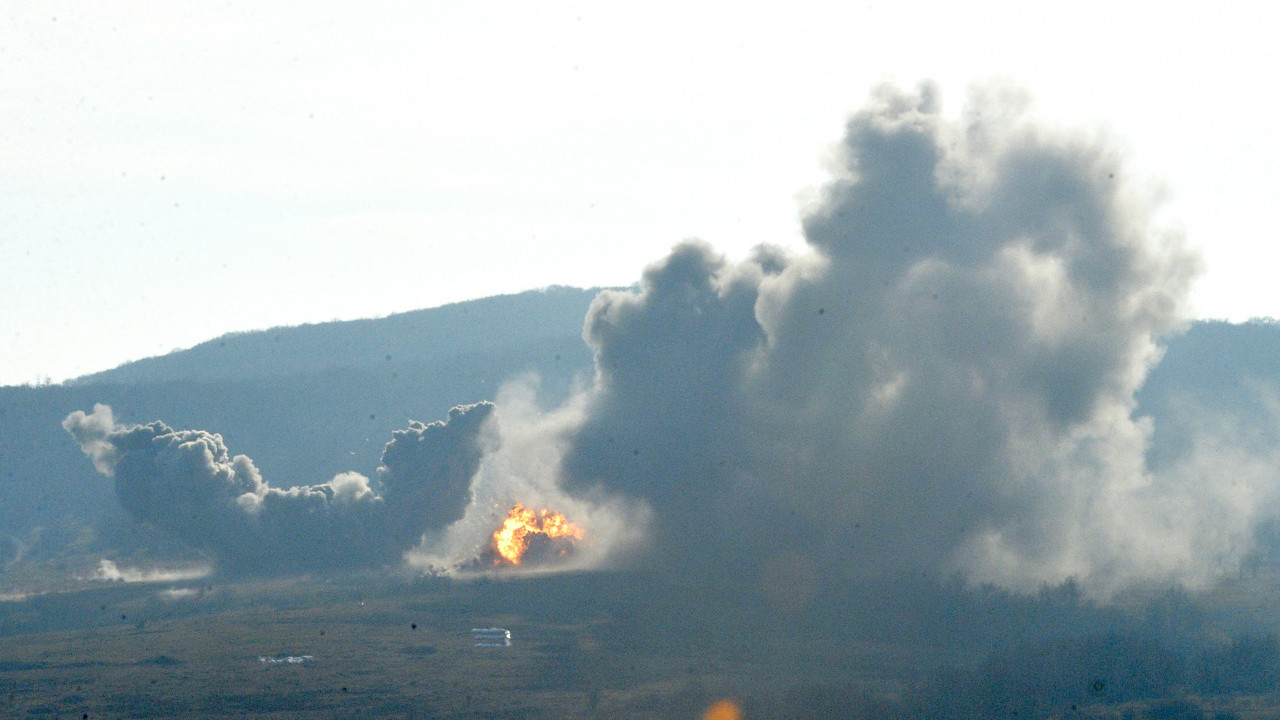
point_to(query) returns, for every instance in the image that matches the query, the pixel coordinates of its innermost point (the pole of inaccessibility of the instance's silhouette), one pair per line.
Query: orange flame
(723, 710)
(512, 539)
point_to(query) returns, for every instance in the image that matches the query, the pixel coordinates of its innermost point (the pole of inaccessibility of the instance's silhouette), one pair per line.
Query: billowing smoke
(186, 482)
(524, 464)
(943, 383)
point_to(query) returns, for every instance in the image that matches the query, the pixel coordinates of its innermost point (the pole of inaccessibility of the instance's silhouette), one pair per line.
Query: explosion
(522, 527)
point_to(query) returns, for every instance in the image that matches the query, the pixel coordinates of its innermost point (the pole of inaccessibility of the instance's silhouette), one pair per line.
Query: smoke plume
(186, 483)
(943, 383)
(524, 463)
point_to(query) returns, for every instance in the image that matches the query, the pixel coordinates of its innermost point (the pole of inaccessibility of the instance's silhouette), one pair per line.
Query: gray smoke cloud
(187, 483)
(943, 383)
(527, 445)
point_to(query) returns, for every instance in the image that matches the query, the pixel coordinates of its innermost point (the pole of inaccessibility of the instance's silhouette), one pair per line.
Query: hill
(304, 402)
(493, 326)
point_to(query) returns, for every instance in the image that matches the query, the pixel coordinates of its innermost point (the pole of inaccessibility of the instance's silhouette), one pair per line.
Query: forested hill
(477, 327)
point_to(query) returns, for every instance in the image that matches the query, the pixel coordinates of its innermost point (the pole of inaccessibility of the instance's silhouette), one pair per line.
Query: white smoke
(110, 572)
(523, 466)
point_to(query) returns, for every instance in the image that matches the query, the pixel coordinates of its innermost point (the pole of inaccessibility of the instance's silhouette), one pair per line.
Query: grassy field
(377, 648)
(585, 646)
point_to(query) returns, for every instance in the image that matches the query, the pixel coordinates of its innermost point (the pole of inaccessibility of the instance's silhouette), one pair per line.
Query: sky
(174, 172)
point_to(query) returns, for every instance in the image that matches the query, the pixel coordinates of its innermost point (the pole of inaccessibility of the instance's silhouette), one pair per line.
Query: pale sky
(176, 171)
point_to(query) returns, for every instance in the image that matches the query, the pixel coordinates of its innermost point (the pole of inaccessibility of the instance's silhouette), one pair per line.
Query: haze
(173, 174)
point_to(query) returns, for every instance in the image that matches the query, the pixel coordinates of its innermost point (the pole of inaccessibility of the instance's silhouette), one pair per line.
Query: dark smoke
(187, 483)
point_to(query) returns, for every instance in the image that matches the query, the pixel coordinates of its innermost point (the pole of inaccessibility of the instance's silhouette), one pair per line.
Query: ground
(397, 647)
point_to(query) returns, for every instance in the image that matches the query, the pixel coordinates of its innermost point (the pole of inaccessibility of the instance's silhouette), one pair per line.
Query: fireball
(522, 526)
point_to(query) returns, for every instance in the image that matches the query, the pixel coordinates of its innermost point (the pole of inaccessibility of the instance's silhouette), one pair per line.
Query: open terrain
(386, 648)
(606, 645)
